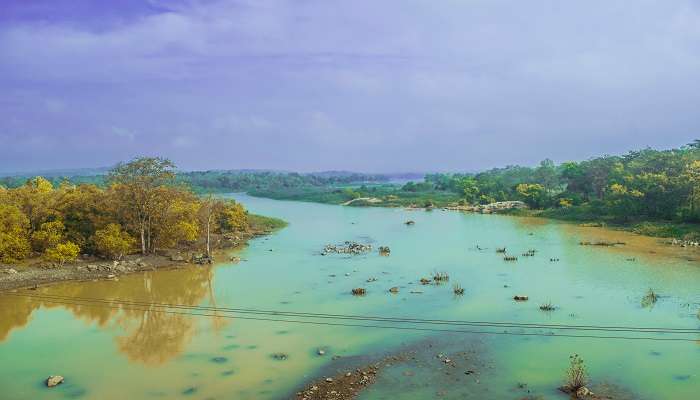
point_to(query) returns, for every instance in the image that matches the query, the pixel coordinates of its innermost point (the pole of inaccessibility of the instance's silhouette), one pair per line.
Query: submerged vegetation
(141, 208)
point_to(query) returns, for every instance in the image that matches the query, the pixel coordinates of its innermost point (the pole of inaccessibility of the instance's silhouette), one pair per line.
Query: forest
(139, 206)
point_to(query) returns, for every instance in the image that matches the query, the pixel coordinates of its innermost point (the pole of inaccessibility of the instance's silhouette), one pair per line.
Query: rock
(235, 259)
(321, 352)
(177, 257)
(279, 356)
(583, 392)
(111, 276)
(329, 380)
(384, 250)
(395, 289)
(54, 380)
(410, 222)
(520, 298)
(359, 292)
(11, 271)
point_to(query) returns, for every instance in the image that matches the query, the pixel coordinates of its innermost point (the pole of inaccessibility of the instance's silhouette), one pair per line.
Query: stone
(177, 257)
(394, 289)
(54, 380)
(520, 298)
(329, 380)
(11, 271)
(583, 392)
(321, 352)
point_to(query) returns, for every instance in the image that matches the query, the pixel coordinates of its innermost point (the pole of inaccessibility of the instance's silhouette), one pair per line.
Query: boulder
(54, 380)
(583, 392)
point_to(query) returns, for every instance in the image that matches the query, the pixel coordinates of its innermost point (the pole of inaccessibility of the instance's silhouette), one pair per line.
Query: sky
(362, 85)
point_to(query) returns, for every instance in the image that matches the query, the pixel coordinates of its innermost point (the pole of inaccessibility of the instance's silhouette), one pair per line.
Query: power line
(66, 300)
(373, 318)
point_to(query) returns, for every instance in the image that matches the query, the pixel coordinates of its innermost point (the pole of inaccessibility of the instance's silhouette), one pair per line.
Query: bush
(113, 242)
(576, 375)
(62, 253)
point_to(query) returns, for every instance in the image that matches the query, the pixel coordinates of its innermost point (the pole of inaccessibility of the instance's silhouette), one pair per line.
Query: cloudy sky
(367, 85)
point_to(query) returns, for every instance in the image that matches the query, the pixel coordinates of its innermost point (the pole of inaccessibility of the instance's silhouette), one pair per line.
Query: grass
(650, 298)
(458, 289)
(576, 375)
(261, 223)
(441, 276)
(586, 216)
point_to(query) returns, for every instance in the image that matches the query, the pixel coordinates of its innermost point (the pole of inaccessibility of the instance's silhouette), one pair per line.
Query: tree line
(139, 207)
(652, 184)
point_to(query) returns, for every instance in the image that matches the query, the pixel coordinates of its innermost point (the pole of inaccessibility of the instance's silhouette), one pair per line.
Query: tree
(210, 215)
(49, 235)
(533, 194)
(62, 253)
(469, 189)
(113, 242)
(233, 217)
(136, 184)
(14, 234)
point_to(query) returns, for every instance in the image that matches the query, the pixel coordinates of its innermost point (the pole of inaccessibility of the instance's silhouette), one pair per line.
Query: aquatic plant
(501, 250)
(548, 306)
(458, 289)
(576, 375)
(650, 298)
(439, 277)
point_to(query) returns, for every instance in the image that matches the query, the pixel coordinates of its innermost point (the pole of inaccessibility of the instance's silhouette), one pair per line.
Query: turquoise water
(116, 353)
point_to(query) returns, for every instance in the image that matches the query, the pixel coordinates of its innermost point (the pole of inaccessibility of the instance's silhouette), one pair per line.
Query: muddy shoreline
(36, 273)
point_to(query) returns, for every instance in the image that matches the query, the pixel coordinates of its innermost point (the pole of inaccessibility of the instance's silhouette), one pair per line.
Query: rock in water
(583, 392)
(394, 289)
(54, 380)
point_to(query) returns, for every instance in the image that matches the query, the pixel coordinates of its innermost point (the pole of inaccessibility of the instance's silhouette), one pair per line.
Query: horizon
(396, 86)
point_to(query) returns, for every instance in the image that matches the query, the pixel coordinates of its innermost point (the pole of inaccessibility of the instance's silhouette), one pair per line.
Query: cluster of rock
(347, 248)
(683, 243)
(116, 267)
(341, 387)
(491, 207)
(581, 392)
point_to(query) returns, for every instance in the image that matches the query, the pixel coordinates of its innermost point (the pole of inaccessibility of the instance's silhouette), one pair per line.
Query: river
(130, 349)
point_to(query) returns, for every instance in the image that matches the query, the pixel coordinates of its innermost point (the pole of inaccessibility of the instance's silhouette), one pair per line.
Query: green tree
(136, 185)
(533, 194)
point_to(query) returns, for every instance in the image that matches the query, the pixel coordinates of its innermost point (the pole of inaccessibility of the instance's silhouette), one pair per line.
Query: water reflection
(151, 337)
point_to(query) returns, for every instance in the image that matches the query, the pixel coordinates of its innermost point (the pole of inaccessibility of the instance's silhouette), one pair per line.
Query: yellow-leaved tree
(14, 234)
(113, 242)
(62, 253)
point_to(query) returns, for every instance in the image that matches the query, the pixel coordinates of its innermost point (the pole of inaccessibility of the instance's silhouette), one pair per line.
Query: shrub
(113, 242)
(62, 253)
(576, 375)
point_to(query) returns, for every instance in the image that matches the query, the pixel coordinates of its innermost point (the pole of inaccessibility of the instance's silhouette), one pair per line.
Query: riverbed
(132, 348)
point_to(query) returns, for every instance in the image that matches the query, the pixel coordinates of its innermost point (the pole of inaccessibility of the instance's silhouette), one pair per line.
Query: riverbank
(35, 272)
(684, 233)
